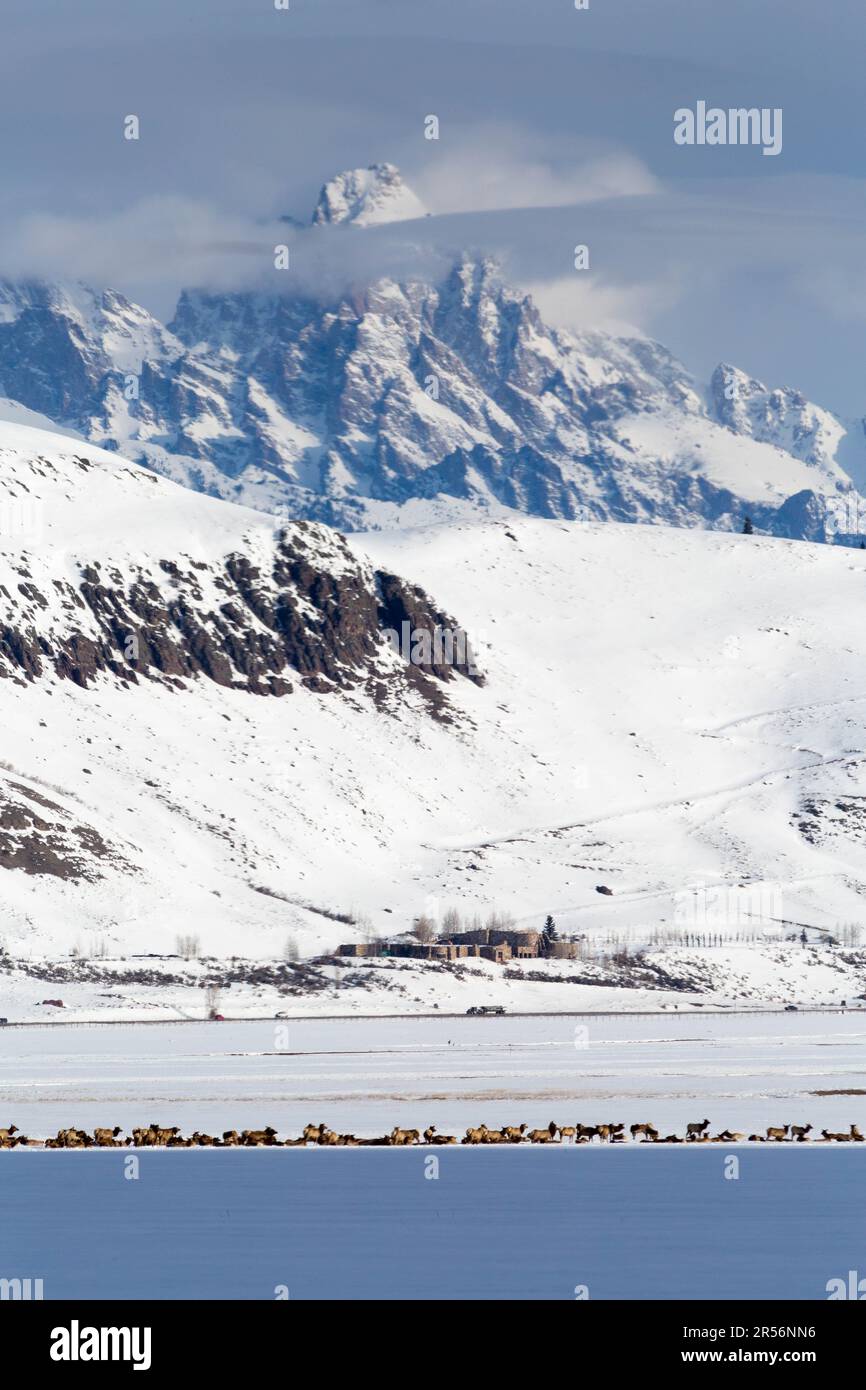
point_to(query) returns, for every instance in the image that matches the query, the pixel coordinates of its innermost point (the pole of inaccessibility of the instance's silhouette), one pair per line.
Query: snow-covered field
(364, 1076)
(630, 1222)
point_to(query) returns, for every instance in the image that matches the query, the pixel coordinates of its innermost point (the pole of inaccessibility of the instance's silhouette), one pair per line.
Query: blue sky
(556, 127)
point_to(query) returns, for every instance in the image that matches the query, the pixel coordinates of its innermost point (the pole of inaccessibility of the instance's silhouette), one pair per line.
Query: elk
(778, 1134)
(404, 1136)
(106, 1138)
(695, 1130)
(799, 1133)
(259, 1137)
(162, 1136)
(648, 1131)
(432, 1137)
(73, 1139)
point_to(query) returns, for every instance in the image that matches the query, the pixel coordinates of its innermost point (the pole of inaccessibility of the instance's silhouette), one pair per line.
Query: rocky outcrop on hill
(263, 610)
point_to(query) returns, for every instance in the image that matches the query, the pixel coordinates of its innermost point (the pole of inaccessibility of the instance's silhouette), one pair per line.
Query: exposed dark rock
(48, 840)
(312, 613)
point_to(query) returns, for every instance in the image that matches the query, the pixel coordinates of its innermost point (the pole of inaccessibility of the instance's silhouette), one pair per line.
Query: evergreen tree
(548, 935)
(748, 528)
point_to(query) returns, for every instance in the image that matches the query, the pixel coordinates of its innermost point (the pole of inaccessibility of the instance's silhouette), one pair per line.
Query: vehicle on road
(483, 1010)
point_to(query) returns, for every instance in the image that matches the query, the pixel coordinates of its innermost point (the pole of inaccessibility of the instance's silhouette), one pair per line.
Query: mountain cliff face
(411, 401)
(107, 571)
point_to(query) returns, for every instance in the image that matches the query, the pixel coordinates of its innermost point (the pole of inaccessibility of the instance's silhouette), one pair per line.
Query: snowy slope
(185, 689)
(679, 716)
(672, 714)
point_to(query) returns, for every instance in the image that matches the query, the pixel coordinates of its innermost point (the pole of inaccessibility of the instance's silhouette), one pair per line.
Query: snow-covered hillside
(674, 715)
(670, 709)
(183, 684)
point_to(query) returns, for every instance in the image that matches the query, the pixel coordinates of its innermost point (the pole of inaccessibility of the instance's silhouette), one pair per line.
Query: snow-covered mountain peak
(780, 416)
(409, 399)
(367, 197)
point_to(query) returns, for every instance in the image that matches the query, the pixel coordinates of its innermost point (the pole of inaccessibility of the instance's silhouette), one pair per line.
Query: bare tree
(424, 929)
(451, 921)
(290, 950)
(365, 926)
(499, 921)
(211, 1000)
(188, 947)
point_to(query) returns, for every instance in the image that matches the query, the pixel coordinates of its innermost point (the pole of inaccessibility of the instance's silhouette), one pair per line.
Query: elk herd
(154, 1136)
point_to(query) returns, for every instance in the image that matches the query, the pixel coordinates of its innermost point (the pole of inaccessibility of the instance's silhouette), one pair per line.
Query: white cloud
(581, 303)
(151, 241)
(499, 166)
